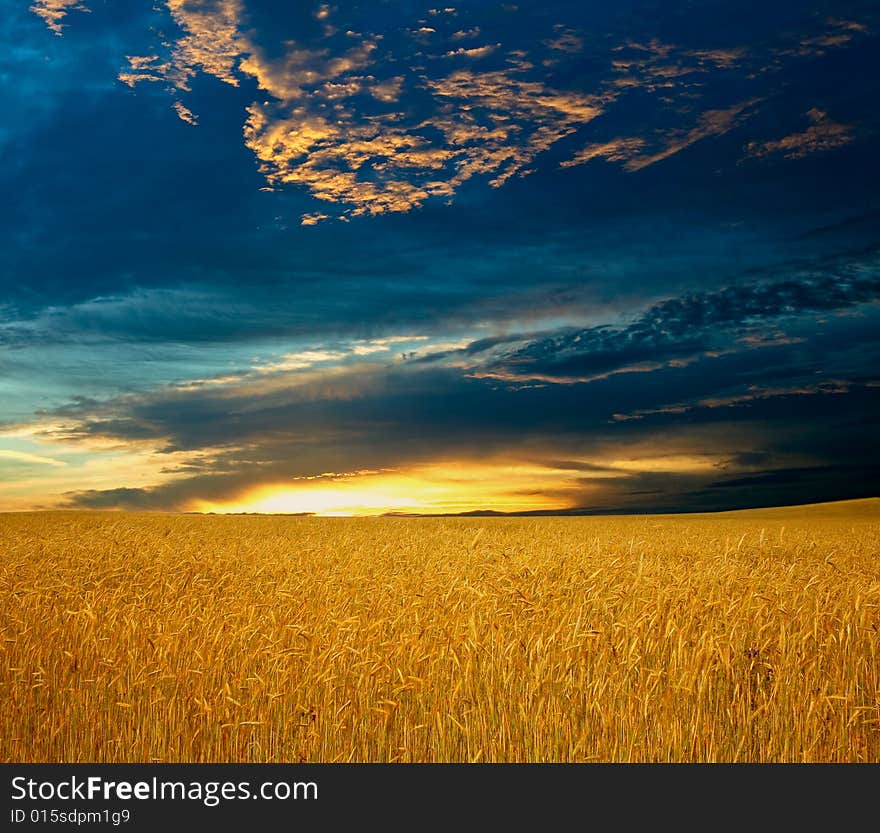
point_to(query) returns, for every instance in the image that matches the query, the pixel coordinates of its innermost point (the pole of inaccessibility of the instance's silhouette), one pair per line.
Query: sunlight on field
(748, 636)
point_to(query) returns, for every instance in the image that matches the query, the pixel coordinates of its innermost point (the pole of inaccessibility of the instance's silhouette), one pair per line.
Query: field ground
(746, 636)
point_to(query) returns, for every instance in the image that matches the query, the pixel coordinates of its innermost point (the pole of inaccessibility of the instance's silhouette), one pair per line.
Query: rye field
(750, 636)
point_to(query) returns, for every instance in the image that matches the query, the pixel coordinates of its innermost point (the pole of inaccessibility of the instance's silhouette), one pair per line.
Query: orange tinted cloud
(838, 33)
(710, 123)
(185, 113)
(617, 150)
(307, 134)
(493, 123)
(823, 134)
(24, 457)
(336, 119)
(54, 11)
(628, 150)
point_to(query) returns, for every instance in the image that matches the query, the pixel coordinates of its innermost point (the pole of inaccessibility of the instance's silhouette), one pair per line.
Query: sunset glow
(429, 489)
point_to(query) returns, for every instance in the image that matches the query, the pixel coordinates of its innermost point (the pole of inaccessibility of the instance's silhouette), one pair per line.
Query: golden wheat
(149, 637)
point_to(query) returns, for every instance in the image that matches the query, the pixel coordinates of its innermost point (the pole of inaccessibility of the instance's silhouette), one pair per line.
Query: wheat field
(751, 636)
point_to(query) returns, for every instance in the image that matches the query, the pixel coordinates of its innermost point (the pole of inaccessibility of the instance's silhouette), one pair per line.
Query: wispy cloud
(837, 33)
(711, 123)
(823, 134)
(54, 12)
(752, 394)
(628, 150)
(565, 40)
(676, 331)
(617, 150)
(24, 457)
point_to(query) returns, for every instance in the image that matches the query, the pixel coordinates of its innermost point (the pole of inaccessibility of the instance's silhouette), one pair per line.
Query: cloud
(330, 159)
(53, 12)
(493, 124)
(822, 135)
(313, 219)
(710, 123)
(309, 134)
(369, 126)
(662, 67)
(121, 498)
(273, 438)
(304, 74)
(23, 457)
(322, 410)
(628, 150)
(776, 477)
(617, 150)
(725, 58)
(752, 394)
(838, 32)
(566, 41)
(186, 315)
(185, 114)
(210, 42)
(379, 163)
(677, 330)
(455, 464)
(475, 52)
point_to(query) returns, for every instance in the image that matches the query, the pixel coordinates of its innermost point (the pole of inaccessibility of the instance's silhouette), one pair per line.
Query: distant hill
(866, 507)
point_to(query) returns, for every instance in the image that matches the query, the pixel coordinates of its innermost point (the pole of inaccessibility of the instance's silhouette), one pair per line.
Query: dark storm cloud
(779, 476)
(404, 415)
(124, 498)
(674, 330)
(848, 476)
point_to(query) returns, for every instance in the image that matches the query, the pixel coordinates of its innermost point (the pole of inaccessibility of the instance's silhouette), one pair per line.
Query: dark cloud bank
(777, 381)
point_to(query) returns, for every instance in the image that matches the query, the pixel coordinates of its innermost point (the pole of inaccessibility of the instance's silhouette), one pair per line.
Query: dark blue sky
(403, 256)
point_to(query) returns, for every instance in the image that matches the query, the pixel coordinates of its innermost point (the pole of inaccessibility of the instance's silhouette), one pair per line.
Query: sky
(370, 257)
